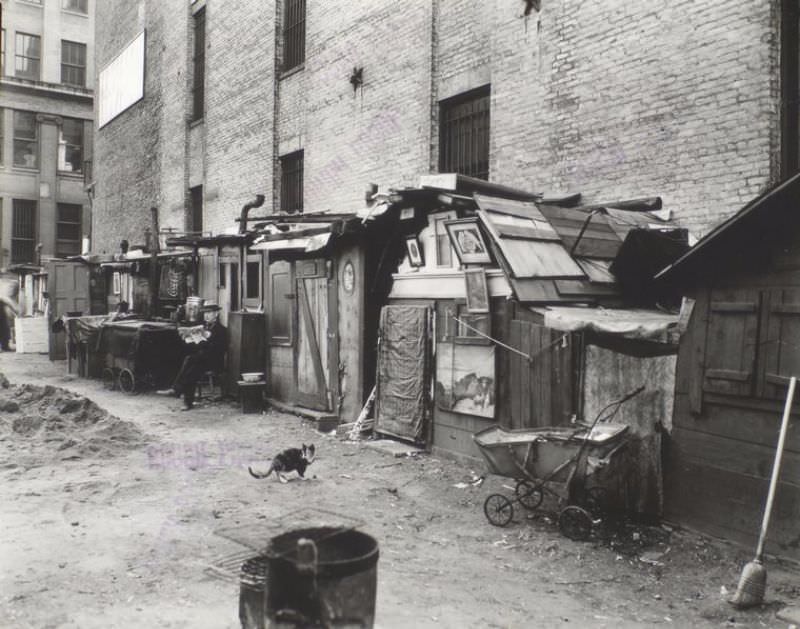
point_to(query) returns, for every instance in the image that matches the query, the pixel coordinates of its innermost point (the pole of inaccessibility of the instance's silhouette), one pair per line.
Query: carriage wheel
(109, 380)
(528, 495)
(127, 381)
(498, 510)
(575, 523)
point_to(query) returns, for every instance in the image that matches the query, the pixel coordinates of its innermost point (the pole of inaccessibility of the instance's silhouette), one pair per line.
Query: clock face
(348, 277)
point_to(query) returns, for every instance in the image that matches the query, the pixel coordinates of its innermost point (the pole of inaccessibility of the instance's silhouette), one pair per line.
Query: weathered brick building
(46, 94)
(615, 100)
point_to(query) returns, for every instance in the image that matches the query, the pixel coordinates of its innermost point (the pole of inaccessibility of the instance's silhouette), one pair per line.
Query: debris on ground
(69, 425)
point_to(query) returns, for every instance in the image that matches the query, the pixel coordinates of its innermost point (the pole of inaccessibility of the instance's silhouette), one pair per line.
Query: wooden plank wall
(718, 458)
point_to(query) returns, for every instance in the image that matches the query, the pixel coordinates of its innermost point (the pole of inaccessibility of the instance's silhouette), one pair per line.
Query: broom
(753, 581)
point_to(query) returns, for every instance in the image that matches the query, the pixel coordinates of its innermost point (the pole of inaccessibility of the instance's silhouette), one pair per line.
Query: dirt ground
(140, 519)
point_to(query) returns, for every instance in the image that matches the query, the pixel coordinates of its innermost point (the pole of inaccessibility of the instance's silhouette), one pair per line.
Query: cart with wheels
(567, 456)
(140, 355)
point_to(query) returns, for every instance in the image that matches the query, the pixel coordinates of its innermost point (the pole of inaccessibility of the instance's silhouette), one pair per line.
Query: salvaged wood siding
(742, 345)
(541, 389)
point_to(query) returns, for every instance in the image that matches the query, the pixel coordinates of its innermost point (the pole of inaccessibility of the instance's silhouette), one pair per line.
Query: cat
(291, 459)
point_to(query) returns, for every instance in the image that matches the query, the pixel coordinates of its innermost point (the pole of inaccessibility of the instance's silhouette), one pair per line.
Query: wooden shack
(741, 348)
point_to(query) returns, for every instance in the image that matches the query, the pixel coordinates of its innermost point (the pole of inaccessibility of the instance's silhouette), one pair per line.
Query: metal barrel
(324, 576)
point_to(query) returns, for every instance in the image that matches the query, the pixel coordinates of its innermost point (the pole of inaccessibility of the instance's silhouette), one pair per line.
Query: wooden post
(154, 246)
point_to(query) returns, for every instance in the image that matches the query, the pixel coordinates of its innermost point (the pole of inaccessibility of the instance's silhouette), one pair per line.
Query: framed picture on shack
(468, 241)
(477, 290)
(414, 252)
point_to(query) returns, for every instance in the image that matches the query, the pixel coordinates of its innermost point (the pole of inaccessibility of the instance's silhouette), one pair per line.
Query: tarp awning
(633, 324)
(312, 243)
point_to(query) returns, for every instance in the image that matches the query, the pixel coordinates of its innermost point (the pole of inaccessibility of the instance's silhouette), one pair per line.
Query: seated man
(208, 355)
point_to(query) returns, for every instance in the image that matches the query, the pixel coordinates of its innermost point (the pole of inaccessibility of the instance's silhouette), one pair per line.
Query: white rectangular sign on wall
(121, 82)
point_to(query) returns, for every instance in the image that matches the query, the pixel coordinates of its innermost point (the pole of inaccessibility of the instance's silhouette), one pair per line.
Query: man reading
(208, 355)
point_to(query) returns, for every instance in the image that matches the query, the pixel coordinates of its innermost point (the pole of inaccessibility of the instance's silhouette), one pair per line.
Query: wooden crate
(31, 335)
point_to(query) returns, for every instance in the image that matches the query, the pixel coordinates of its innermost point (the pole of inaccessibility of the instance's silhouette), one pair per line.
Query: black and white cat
(292, 459)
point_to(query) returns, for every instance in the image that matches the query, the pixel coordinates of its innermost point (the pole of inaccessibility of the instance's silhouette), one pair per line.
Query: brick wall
(623, 99)
(126, 156)
(613, 99)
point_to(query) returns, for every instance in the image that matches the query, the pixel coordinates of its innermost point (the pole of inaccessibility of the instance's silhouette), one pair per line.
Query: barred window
(464, 134)
(292, 182)
(70, 146)
(294, 34)
(68, 229)
(79, 6)
(28, 56)
(73, 63)
(26, 139)
(198, 80)
(23, 231)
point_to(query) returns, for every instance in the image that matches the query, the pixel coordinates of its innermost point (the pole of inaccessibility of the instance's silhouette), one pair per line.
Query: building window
(73, 63)
(292, 182)
(28, 56)
(2, 52)
(195, 222)
(26, 139)
(294, 34)
(23, 231)
(68, 230)
(464, 134)
(70, 146)
(198, 82)
(79, 6)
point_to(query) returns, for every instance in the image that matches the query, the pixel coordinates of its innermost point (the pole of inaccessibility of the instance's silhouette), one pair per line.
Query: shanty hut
(735, 361)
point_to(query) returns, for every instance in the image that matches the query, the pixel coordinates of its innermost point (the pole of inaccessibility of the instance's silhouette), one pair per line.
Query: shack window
(464, 134)
(253, 280)
(457, 325)
(280, 320)
(294, 34)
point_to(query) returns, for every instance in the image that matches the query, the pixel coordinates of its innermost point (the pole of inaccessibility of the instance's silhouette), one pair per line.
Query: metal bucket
(323, 576)
(193, 308)
(253, 593)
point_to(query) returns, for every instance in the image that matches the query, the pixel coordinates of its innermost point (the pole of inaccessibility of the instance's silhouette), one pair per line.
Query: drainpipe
(246, 210)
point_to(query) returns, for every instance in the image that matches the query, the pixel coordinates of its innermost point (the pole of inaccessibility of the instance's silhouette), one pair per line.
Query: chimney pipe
(246, 210)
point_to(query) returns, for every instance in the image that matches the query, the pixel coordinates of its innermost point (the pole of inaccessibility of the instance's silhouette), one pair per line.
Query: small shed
(735, 360)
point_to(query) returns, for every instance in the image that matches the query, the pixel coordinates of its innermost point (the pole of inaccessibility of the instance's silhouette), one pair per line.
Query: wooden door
(315, 352)
(541, 390)
(68, 286)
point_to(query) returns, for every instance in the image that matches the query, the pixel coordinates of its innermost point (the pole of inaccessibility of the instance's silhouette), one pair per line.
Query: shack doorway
(403, 372)
(316, 354)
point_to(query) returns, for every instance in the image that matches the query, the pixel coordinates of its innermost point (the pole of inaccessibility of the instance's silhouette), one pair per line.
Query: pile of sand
(68, 425)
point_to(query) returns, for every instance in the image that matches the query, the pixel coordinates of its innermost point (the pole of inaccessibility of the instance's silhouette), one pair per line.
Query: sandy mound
(68, 425)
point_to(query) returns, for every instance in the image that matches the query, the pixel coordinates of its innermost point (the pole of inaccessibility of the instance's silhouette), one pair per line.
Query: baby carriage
(538, 457)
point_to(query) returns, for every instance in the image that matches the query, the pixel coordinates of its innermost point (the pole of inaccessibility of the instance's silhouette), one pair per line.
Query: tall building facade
(308, 102)
(46, 109)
